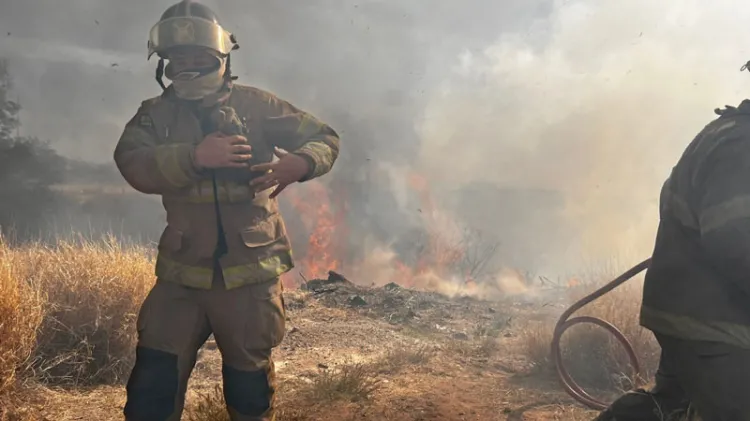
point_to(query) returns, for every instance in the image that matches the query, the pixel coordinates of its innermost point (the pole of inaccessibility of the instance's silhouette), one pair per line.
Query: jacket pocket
(171, 239)
(263, 233)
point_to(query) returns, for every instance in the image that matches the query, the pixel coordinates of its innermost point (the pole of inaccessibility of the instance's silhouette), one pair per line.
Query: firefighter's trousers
(713, 378)
(175, 321)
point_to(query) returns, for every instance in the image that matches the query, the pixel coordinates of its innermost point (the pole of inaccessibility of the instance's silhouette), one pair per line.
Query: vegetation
(593, 356)
(68, 311)
(69, 302)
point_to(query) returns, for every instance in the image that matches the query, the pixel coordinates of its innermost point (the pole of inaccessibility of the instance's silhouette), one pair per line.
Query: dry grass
(488, 347)
(397, 359)
(93, 293)
(21, 313)
(477, 347)
(350, 382)
(67, 318)
(67, 311)
(593, 356)
(209, 407)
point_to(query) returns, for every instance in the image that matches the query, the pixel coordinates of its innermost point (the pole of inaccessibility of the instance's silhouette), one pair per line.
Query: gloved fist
(220, 151)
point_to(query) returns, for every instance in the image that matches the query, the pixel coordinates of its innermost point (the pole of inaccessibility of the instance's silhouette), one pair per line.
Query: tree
(28, 167)
(479, 252)
(8, 109)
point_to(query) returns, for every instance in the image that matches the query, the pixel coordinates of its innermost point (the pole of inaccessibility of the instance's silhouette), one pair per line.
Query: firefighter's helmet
(189, 23)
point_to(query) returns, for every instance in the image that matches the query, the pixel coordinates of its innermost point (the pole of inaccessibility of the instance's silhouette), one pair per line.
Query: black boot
(642, 405)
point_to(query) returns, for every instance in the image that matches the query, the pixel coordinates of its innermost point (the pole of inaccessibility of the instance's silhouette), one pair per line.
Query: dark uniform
(696, 296)
(224, 246)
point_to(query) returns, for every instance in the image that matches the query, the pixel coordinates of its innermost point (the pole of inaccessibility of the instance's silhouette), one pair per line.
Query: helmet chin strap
(160, 74)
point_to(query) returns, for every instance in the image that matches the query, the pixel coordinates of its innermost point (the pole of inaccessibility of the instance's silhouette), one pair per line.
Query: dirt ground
(410, 356)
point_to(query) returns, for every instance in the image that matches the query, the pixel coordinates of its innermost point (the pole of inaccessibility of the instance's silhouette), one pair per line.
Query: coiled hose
(563, 324)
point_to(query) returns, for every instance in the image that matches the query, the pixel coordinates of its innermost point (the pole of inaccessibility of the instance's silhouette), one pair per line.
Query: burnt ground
(409, 355)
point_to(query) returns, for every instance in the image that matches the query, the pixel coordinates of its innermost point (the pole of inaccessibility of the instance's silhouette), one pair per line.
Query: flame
(439, 253)
(444, 249)
(326, 227)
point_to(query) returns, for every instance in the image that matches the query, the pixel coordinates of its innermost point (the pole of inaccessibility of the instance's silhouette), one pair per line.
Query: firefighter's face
(191, 59)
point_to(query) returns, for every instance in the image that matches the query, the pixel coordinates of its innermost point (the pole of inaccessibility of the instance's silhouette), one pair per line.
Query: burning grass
(67, 312)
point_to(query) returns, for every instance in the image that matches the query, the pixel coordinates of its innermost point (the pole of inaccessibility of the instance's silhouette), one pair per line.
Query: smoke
(598, 114)
(549, 125)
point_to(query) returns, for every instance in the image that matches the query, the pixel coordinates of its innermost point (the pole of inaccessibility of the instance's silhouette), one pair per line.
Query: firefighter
(206, 145)
(696, 296)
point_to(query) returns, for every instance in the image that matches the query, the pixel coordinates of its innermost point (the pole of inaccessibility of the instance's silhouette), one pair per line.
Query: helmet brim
(189, 31)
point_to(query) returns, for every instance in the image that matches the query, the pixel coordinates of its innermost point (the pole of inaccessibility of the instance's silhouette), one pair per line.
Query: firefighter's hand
(289, 169)
(220, 151)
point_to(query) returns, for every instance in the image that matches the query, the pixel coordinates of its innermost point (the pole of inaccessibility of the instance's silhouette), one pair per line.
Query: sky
(587, 104)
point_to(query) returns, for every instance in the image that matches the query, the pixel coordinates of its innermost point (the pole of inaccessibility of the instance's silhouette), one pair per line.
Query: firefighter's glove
(220, 151)
(289, 169)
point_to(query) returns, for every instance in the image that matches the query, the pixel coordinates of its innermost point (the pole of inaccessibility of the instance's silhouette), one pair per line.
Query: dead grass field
(67, 315)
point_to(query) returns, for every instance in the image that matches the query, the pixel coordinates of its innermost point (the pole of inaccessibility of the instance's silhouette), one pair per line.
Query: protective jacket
(217, 221)
(698, 284)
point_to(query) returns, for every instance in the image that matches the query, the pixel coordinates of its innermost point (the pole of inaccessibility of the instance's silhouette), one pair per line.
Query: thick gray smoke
(548, 125)
(598, 114)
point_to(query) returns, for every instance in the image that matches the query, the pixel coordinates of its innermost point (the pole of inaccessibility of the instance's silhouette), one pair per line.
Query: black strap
(160, 74)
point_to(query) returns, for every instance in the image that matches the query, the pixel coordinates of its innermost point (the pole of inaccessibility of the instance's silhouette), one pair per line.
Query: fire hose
(563, 324)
